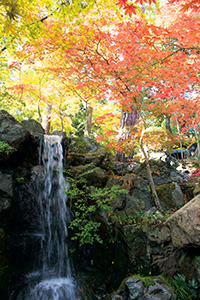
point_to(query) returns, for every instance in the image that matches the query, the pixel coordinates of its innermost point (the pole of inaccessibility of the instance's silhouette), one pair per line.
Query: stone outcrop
(184, 225)
(27, 193)
(33, 127)
(162, 172)
(138, 196)
(134, 288)
(127, 247)
(95, 176)
(13, 133)
(170, 195)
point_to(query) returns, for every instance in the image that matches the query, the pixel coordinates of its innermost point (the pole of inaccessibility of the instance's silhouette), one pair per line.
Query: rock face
(33, 127)
(170, 195)
(11, 131)
(18, 197)
(133, 288)
(162, 172)
(24, 146)
(127, 247)
(3, 265)
(6, 191)
(184, 225)
(27, 194)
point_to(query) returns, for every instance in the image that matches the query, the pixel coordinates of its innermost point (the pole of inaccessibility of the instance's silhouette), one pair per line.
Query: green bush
(85, 202)
(5, 148)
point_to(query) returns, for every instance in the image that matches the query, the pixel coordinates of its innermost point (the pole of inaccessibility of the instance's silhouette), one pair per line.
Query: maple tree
(147, 72)
(22, 20)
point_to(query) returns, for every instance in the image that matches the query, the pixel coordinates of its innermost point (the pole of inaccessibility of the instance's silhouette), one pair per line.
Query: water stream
(52, 280)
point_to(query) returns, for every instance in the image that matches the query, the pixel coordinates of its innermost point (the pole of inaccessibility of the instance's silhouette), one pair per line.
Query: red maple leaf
(121, 3)
(130, 9)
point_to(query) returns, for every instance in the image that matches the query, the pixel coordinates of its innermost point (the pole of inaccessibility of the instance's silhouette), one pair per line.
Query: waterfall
(54, 213)
(55, 281)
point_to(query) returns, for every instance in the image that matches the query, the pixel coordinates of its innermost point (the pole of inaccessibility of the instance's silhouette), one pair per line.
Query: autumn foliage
(120, 64)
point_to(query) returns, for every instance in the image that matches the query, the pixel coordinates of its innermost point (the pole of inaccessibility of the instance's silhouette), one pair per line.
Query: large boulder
(24, 146)
(12, 131)
(170, 195)
(142, 288)
(95, 176)
(163, 172)
(33, 127)
(27, 197)
(184, 225)
(138, 197)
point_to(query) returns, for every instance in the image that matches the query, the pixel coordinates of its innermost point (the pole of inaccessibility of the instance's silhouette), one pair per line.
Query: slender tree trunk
(40, 97)
(89, 111)
(167, 124)
(181, 146)
(197, 135)
(47, 119)
(39, 112)
(153, 189)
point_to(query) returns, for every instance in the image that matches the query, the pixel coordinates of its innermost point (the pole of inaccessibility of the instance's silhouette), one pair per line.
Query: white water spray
(55, 280)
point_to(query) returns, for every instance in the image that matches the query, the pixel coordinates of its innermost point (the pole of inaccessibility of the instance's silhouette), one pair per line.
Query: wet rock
(27, 195)
(184, 224)
(135, 288)
(158, 291)
(6, 191)
(4, 277)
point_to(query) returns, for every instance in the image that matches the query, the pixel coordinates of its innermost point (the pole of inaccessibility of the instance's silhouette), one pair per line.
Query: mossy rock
(34, 127)
(84, 150)
(95, 176)
(83, 145)
(143, 287)
(170, 195)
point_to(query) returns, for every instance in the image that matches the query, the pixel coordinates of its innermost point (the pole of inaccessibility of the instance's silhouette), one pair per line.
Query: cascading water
(55, 279)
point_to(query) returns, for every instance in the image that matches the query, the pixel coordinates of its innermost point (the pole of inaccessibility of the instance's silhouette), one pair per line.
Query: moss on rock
(170, 196)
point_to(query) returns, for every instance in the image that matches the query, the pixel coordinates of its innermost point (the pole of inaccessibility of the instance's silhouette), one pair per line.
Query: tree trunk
(181, 146)
(153, 189)
(127, 122)
(88, 125)
(167, 124)
(47, 119)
